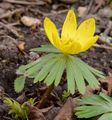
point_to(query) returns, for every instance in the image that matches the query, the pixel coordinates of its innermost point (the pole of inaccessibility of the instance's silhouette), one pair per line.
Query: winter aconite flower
(73, 39)
(59, 61)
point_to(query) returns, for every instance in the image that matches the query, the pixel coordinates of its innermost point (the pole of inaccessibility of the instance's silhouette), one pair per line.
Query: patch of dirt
(11, 57)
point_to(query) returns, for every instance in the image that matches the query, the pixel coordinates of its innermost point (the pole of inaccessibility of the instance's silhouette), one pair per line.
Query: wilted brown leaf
(21, 46)
(22, 98)
(66, 111)
(106, 85)
(36, 114)
(90, 91)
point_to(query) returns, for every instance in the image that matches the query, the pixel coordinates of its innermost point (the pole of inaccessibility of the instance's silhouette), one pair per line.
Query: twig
(45, 97)
(10, 28)
(48, 14)
(14, 40)
(90, 6)
(10, 13)
(109, 27)
(102, 46)
(25, 2)
(14, 24)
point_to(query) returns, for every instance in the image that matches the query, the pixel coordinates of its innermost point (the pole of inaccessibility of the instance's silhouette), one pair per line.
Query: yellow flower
(73, 40)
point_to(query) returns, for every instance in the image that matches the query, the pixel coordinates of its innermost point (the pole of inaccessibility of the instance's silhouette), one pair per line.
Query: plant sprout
(17, 110)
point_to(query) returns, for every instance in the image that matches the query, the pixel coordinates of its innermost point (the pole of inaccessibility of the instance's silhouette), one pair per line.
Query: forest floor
(17, 38)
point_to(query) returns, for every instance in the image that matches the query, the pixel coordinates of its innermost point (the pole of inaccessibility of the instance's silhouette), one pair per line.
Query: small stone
(82, 11)
(30, 21)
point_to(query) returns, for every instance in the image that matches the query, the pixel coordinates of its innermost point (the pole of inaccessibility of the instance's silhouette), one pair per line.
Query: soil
(11, 57)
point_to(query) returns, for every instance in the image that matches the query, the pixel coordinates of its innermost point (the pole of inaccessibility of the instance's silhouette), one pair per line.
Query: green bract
(95, 105)
(50, 68)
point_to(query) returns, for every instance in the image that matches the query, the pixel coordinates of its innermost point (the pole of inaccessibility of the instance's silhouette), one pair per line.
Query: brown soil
(11, 57)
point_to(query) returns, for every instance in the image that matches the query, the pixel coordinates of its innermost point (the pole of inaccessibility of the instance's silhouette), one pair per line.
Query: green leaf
(70, 76)
(40, 64)
(95, 105)
(107, 116)
(19, 83)
(46, 48)
(53, 72)
(22, 69)
(87, 74)
(106, 98)
(45, 70)
(79, 77)
(94, 99)
(32, 70)
(61, 67)
(90, 111)
(94, 71)
(18, 111)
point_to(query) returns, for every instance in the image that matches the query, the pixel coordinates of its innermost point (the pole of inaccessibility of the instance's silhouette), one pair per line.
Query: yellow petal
(75, 48)
(69, 26)
(71, 48)
(51, 31)
(86, 30)
(89, 43)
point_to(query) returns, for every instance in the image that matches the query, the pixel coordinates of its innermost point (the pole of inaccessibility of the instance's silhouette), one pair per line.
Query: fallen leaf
(52, 113)
(45, 110)
(66, 111)
(29, 21)
(90, 91)
(21, 46)
(22, 98)
(106, 85)
(35, 113)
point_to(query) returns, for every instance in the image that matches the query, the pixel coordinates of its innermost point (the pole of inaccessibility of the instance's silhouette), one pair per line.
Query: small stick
(10, 28)
(10, 13)
(102, 46)
(45, 96)
(48, 14)
(90, 6)
(24, 2)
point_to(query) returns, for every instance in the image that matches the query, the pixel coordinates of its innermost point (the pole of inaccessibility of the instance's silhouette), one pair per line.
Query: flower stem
(45, 97)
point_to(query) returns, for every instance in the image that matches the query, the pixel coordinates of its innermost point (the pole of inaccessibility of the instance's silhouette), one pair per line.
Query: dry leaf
(21, 46)
(45, 110)
(22, 98)
(106, 85)
(36, 114)
(90, 91)
(29, 21)
(66, 111)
